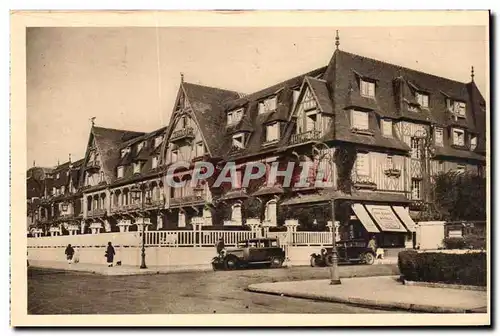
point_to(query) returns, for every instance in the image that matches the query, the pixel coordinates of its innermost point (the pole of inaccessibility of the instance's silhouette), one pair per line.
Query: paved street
(59, 292)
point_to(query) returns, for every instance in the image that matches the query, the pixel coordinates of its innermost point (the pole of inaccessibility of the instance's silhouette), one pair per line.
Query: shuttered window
(272, 132)
(438, 136)
(387, 128)
(367, 89)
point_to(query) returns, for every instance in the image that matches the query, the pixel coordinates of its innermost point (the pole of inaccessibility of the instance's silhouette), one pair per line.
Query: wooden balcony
(305, 137)
(93, 165)
(185, 133)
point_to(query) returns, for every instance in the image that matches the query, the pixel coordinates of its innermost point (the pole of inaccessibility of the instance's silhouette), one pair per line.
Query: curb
(107, 272)
(444, 285)
(388, 305)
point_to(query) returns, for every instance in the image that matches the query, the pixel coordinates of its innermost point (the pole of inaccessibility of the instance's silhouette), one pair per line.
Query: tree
(460, 196)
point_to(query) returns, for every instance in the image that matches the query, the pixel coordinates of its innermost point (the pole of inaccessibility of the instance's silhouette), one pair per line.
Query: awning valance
(385, 218)
(404, 215)
(364, 218)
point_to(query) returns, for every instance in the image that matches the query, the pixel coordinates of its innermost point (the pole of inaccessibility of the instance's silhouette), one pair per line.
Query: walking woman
(110, 254)
(70, 251)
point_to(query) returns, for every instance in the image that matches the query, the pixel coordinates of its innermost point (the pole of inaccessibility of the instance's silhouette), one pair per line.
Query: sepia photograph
(211, 169)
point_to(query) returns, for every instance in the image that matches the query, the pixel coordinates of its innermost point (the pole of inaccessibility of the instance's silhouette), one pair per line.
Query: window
(415, 189)
(272, 132)
(200, 149)
(363, 164)
(57, 176)
(63, 190)
(137, 167)
(311, 118)
(360, 120)
(473, 142)
(440, 167)
(389, 162)
(234, 116)
(460, 109)
(458, 137)
(158, 140)
(460, 168)
(367, 89)
(183, 122)
(239, 140)
(124, 151)
(174, 155)
(101, 177)
(415, 148)
(438, 136)
(422, 99)
(53, 190)
(154, 162)
(387, 128)
(268, 105)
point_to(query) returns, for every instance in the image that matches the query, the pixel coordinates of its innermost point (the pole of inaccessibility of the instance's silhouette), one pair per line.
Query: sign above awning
(385, 218)
(404, 215)
(364, 218)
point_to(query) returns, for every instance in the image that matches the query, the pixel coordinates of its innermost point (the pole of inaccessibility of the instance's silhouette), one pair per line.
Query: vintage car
(349, 251)
(263, 251)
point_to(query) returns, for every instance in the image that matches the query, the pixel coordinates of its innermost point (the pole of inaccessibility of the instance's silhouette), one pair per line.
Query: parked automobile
(265, 251)
(349, 251)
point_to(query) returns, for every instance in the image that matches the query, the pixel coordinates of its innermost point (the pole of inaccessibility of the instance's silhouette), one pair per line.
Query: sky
(128, 78)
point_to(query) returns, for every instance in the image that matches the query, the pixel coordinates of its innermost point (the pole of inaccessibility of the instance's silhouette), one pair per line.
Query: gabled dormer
(233, 117)
(268, 104)
(312, 112)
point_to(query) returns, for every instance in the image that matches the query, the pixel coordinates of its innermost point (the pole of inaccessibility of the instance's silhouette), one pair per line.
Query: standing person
(69, 253)
(372, 244)
(110, 254)
(220, 245)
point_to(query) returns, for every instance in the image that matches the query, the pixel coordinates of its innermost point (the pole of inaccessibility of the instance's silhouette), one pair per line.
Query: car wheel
(329, 259)
(231, 263)
(276, 262)
(369, 258)
(314, 261)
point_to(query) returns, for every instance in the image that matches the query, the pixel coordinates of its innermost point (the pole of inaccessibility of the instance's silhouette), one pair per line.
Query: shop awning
(405, 218)
(386, 218)
(364, 218)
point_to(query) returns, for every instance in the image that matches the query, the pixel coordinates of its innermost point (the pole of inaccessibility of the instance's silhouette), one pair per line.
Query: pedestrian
(110, 254)
(69, 253)
(220, 245)
(372, 244)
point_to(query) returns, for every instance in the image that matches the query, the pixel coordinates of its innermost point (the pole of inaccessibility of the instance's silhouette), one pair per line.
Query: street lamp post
(137, 194)
(334, 269)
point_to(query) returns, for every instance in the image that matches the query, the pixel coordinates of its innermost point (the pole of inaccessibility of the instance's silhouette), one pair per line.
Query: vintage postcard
(250, 168)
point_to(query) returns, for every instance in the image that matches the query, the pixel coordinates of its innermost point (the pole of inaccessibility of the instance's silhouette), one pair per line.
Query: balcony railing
(187, 132)
(96, 164)
(96, 213)
(184, 200)
(154, 204)
(305, 137)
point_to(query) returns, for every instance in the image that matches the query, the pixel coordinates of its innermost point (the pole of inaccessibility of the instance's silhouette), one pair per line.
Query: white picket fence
(180, 238)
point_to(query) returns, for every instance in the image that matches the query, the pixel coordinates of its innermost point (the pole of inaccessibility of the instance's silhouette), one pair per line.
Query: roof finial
(33, 163)
(58, 162)
(182, 77)
(92, 121)
(69, 156)
(472, 73)
(337, 40)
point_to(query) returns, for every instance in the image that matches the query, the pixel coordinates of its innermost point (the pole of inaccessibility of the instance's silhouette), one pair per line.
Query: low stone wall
(157, 256)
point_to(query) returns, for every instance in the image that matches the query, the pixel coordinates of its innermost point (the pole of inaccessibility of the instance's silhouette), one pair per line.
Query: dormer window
(234, 116)
(239, 140)
(154, 162)
(268, 105)
(119, 171)
(359, 120)
(438, 136)
(458, 137)
(473, 142)
(456, 107)
(57, 176)
(386, 126)
(367, 88)
(137, 167)
(124, 152)
(158, 140)
(422, 99)
(272, 132)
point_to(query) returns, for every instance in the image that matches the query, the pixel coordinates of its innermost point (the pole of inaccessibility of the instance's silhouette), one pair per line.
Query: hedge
(469, 241)
(462, 269)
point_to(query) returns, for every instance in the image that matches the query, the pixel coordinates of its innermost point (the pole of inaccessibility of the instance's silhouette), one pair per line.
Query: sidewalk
(383, 292)
(115, 270)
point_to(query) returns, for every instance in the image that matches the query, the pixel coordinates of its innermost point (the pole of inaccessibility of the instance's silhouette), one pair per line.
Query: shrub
(463, 269)
(454, 243)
